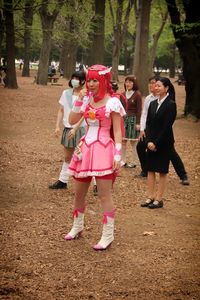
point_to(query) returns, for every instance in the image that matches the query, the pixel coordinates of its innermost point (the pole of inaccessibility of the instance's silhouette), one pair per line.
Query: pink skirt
(96, 160)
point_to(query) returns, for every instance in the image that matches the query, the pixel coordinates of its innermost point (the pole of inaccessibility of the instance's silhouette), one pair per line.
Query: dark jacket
(159, 124)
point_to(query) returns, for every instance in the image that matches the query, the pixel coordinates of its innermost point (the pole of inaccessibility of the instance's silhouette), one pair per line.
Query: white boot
(78, 225)
(108, 232)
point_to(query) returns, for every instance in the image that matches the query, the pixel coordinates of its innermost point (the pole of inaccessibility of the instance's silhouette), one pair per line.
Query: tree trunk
(11, 79)
(42, 75)
(96, 54)
(2, 30)
(119, 32)
(153, 49)
(187, 36)
(47, 20)
(141, 60)
(172, 62)
(28, 20)
(68, 58)
(115, 54)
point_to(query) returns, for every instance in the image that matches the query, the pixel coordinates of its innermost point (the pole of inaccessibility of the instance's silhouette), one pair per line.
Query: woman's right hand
(82, 94)
(142, 135)
(57, 132)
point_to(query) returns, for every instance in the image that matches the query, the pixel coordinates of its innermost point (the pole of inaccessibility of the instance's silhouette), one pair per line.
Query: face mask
(75, 83)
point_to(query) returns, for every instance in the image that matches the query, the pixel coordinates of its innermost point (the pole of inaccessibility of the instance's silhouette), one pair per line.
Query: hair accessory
(85, 69)
(105, 71)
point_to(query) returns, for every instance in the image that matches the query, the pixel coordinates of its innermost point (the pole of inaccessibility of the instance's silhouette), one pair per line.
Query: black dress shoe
(159, 204)
(58, 185)
(185, 181)
(95, 191)
(142, 174)
(146, 204)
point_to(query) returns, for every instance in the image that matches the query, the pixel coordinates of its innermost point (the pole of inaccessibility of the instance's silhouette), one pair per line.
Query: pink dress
(97, 146)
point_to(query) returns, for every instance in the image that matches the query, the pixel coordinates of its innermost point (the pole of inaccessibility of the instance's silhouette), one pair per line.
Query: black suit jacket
(159, 123)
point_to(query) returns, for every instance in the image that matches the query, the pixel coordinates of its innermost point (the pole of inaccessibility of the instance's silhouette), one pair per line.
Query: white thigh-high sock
(94, 180)
(64, 176)
(134, 152)
(124, 153)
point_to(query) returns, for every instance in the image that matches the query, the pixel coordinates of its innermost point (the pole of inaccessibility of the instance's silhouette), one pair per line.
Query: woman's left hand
(116, 165)
(137, 127)
(71, 133)
(151, 146)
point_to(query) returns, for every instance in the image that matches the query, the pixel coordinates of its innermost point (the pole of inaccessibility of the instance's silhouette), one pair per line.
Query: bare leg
(68, 154)
(81, 189)
(124, 144)
(151, 182)
(161, 186)
(134, 152)
(105, 194)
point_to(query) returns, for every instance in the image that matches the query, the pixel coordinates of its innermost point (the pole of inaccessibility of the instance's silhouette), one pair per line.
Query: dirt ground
(155, 254)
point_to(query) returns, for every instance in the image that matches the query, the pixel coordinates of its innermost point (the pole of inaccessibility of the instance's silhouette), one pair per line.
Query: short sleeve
(114, 105)
(86, 101)
(62, 99)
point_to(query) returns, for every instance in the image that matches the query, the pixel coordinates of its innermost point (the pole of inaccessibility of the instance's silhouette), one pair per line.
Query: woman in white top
(71, 133)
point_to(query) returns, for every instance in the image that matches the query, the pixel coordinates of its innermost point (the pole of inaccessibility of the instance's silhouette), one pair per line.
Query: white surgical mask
(75, 83)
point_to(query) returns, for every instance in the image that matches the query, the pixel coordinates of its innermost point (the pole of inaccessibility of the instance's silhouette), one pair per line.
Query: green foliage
(158, 11)
(74, 23)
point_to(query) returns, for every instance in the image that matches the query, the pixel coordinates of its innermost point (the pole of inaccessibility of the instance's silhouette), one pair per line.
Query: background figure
(141, 145)
(159, 140)
(132, 118)
(97, 154)
(71, 134)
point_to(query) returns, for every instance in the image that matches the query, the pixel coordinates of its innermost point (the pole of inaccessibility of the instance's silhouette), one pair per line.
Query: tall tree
(48, 17)
(141, 59)
(96, 53)
(2, 29)
(11, 79)
(187, 35)
(71, 30)
(120, 27)
(28, 20)
(155, 38)
(68, 49)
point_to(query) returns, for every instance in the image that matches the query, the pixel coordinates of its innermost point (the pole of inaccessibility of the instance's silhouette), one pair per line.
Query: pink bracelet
(118, 152)
(77, 106)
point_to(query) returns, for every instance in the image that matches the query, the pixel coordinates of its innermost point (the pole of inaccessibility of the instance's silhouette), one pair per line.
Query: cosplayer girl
(99, 151)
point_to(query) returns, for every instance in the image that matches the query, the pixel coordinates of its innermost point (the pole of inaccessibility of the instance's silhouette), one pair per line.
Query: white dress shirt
(147, 102)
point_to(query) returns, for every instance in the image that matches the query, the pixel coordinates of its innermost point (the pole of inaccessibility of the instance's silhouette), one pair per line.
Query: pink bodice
(99, 124)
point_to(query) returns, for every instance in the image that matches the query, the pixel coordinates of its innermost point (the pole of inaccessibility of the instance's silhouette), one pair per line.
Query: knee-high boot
(108, 231)
(78, 224)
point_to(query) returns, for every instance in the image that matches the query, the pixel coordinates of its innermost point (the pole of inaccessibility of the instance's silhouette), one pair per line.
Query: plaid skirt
(129, 125)
(73, 142)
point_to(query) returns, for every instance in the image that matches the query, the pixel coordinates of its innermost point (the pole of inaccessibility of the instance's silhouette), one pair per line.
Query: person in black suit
(141, 145)
(159, 140)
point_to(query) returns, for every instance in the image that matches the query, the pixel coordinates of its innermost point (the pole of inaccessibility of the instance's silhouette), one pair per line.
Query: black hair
(154, 77)
(133, 79)
(114, 86)
(171, 90)
(80, 75)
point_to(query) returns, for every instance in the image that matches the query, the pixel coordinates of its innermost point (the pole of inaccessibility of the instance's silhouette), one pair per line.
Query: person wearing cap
(99, 151)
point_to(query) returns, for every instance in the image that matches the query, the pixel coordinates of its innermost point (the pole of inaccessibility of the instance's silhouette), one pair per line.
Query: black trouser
(141, 152)
(174, 158)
